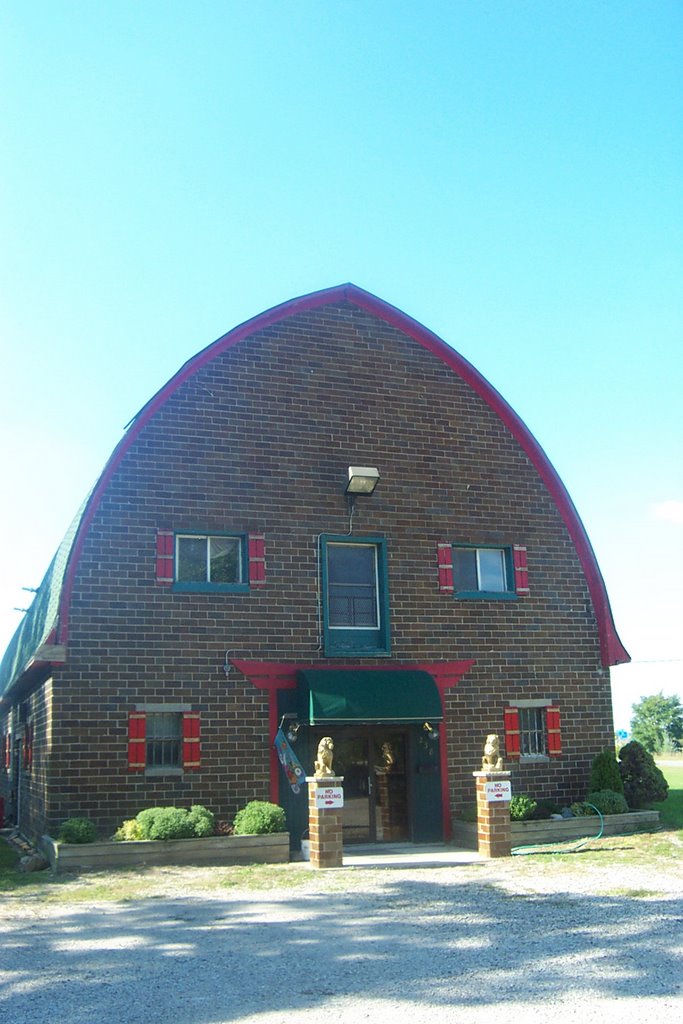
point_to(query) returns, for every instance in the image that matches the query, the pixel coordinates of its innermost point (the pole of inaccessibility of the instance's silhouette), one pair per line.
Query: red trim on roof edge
(611, 649)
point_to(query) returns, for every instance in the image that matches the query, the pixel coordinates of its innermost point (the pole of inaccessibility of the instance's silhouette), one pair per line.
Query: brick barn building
(219, 581)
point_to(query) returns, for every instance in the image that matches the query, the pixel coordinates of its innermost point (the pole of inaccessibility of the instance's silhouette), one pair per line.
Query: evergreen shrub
(605, 773)
(643, 781)
(608, 802)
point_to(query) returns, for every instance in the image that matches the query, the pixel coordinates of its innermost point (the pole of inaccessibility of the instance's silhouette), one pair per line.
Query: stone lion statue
(492, 761)
(323, 765)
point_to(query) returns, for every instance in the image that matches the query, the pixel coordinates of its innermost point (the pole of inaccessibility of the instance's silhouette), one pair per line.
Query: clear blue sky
(508, 173)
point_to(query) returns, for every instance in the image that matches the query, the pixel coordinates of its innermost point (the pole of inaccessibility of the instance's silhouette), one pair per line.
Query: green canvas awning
(359, 695)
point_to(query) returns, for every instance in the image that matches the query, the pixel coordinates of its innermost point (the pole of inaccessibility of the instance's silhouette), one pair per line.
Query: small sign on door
(496, 791)
(329, 797)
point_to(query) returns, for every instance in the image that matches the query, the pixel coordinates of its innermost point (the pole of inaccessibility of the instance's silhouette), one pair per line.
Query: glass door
(389, 785)
(373, 761)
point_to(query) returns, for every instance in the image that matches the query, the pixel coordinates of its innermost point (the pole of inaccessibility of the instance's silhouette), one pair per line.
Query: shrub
(203, 821)
(128, 831)
(581, 809)
(77, 830)
(544, 808)
(608, 802)
(170, 823)
(605, 773)
(643, 781)
(522, 807)
(259, 818)
(146, 819)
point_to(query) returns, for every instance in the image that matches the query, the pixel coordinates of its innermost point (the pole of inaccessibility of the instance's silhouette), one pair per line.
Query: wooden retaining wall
(214, 850)
(531, 833)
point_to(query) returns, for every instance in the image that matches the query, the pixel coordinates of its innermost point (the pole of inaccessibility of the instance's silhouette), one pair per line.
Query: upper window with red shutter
(486, 572)
(225, 562)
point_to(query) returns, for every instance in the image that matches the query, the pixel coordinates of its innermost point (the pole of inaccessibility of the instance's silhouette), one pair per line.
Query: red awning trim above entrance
(282, 675)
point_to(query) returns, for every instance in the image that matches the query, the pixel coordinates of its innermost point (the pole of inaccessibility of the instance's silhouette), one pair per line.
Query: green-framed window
(483, 572)
(355, 605)
(210, 562)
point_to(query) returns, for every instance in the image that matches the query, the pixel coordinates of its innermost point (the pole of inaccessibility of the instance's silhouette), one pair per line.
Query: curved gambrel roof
(612, 650)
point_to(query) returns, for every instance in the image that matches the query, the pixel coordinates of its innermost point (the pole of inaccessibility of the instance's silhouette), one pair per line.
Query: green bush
(77, 830)
(128, 831)
(203, 821)
(522, 807)
(170, 823)
(643, 781)
(146, 819)
(259, 818)
(608, 802)
(544, 808)
(581, 809)
(605, 773)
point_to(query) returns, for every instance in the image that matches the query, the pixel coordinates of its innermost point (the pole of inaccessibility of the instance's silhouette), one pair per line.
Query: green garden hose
(543, 848)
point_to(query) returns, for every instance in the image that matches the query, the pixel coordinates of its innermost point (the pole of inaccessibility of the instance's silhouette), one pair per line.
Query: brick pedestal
(324, 826)
(494, 828)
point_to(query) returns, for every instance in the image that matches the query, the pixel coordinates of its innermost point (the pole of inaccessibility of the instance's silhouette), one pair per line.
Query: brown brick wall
(259, 440)
(25, 789)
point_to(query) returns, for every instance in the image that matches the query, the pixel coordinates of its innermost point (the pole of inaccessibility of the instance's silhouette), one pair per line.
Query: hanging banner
(290, 762)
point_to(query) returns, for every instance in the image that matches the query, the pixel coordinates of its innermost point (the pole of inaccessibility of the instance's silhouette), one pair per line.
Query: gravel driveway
(466, 943)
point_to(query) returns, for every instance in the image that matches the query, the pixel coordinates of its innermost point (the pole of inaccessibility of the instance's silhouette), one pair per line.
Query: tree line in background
(657, 724)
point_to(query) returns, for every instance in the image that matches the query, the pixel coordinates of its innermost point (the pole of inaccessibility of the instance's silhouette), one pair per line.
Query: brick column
(494, 829)
(324, 826)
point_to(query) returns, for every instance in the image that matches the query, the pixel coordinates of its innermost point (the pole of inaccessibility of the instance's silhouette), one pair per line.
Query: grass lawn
(671, 809)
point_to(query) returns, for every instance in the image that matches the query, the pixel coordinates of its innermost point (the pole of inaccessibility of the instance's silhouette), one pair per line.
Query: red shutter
(165, 569)
(511, 718)
(552, 720)
(28, 747)
(191, 747)
(257, 559)
(137, 743)
(521, 571)
(444, 556)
